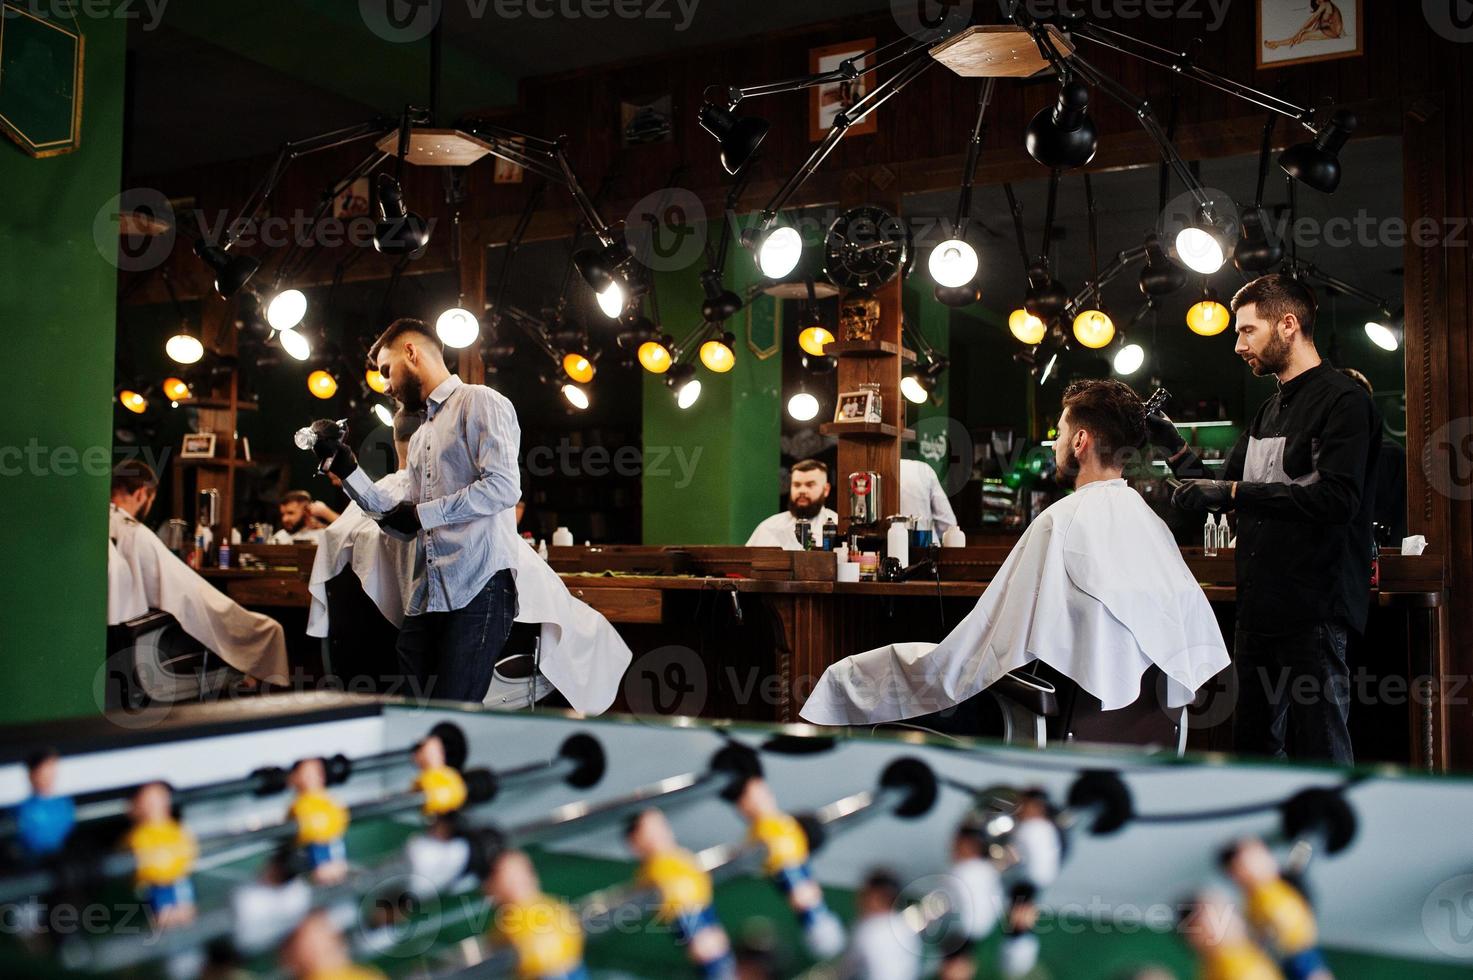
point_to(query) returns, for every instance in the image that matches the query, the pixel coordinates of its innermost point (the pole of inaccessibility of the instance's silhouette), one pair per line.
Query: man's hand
(1213, 495)
(1163, 434)
(402, 522)
(329, 449)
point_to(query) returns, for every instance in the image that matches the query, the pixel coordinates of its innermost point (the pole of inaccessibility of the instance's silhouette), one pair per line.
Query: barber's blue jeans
(1293, 694)
(449, 655)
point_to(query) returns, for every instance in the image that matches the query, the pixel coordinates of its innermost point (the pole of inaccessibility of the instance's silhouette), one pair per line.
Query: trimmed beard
(1066, 474)
(805, 512)
(1274, 359)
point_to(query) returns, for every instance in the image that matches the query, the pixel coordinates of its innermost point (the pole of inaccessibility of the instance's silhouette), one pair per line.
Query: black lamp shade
(399, 231)
(1255, 254)
(958, 296)
(1063, 136)
(1046, 297)
(720, 303)
(739, 136)
(1161, 276)
(231, 271)
(598, 265)
(1316, 164)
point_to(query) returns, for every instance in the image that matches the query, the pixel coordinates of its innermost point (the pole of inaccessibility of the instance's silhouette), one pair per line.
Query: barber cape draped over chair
(166, 621)
(1095, 590)
(557, 638)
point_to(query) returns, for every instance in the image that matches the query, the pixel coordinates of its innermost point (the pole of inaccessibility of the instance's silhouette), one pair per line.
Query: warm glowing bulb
(133, 401)
(575, 396)
(184, 348)
(1128, 359)
(1382, 336)
(382, 413)
(578, 367)
(1208, 318)
(654, 357)
(1028, 328)
(175, 389)
(913, 390)
(1200, 250)
(322, 384)
(1094, 328)
(717, 356)
(780, 252)
(376, 381)
(612, 300)
(814, 339)
(295, 344)
(688, 393)
(803, 407)
(953, 263)
(457, 328)
(286, 309)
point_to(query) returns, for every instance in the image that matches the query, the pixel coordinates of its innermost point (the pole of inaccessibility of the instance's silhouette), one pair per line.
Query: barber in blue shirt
(463, 479)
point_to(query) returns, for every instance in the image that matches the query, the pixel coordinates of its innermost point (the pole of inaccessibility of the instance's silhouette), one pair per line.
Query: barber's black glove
(1213, 495)
(402, 522)
(1163, 434)
(329, 448)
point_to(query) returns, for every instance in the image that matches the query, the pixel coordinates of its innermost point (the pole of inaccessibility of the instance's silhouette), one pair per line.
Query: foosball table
(331, 836)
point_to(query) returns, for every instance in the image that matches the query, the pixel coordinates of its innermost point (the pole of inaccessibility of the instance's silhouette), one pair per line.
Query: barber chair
(151, 660)
(1042, 707)
(516, 681)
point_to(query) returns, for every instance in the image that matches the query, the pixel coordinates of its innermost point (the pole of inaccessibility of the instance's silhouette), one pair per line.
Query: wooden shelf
(865, 430)
(998, 51)
(869, 348)
(218, 404)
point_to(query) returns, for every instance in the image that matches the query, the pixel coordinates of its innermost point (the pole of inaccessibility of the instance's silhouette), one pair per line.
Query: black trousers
(449, 655)
(1293, 694)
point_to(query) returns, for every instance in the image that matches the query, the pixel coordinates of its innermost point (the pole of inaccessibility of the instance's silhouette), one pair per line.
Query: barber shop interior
(730, 489)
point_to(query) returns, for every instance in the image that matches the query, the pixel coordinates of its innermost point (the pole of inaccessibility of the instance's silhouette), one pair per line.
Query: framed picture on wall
(198, 445)
(1293, 32)
(857, 406)
(827, 100)
(506, 172)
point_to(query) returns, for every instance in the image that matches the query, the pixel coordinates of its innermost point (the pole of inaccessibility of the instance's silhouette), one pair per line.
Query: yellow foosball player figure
(543, 932)
(685, 892)
(321, 822)
(316, 951)
(1277, 912)
(442, 784)
(785, 846)
(1225, 951)
(164, 852)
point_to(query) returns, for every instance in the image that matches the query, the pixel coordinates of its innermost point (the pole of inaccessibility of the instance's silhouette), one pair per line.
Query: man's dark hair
(406, 424)
(884, 881)
(1110, 411)
(809, 465)
(1276, 296)
(296, 497)
(133, 474)
(397, 329)
(39, 756)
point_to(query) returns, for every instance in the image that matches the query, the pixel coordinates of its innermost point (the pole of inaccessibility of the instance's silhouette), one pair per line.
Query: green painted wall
(58, 297)
(708, 471)
(931, 420)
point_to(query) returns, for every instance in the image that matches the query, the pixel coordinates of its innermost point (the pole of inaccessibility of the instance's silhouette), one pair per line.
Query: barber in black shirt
(1301, 481)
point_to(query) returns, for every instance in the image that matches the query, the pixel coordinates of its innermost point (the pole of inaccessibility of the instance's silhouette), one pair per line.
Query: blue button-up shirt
(463, 478)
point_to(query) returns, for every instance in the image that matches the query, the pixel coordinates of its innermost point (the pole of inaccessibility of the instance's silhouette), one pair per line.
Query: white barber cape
(1096, 588)
(143, 574)
(579, 651)
(781, 530)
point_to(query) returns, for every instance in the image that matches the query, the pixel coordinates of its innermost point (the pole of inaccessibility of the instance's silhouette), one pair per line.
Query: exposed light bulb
(779, 252)
(803, 407)
(286, 309)
(953, 263)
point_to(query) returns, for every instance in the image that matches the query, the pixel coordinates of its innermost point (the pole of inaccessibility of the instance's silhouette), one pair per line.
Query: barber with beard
(808, 488)
(1301, 484)
(462, 480)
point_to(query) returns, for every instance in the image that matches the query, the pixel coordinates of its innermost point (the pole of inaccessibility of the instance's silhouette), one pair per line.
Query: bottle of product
(897, 541)
(953, 538)
(1209, 536)
(841, 553)
(562, 538)
(542, 549)
(830, 535)
(225, 554)
(1224, 533)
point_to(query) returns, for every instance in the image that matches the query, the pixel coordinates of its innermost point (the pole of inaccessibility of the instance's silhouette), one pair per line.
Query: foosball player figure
(164, 852)
(685, 892)
(316, 951)
(542, 931)
(881, 944)
(45, 819)
(1225, 951)
(1277, 912)
(321, 822)
(785, 844)
(441, 784)
(973, 890)
(1037, 848)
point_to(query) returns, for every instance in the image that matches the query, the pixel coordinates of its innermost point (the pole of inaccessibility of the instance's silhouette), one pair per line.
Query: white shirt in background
(921, 496)
(780, 530)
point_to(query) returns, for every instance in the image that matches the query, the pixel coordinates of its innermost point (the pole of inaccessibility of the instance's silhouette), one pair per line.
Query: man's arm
(1335, 497)
(943, 518)
(494, 436)
(1238, 458)
(374, 499)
